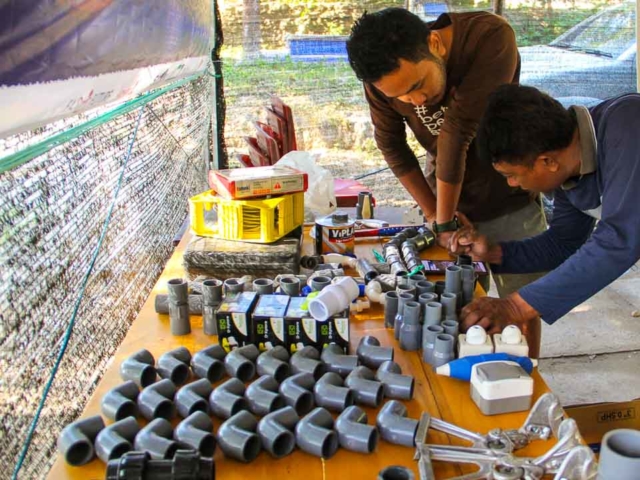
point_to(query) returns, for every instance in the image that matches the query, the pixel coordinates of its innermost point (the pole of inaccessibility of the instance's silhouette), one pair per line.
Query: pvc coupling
(120, 402)
(331, 393)
(296, 391)
(394, 383)
(238, 439)
(208, 363)
(394, 426)
(334, 298)
(174, 365)
(117, 439)
(354, 433)
(263, 396)
(156, 401)
(274, 362)
(336, 361)
(228, 399)
(139, 368)
(179, 321)
(196, 433)
(315, 435)
(307, 360)
(193, 397)
(75, 442)
(157, 439)
(276, 431)
(371, 354)
(366, 389)
(240, 362)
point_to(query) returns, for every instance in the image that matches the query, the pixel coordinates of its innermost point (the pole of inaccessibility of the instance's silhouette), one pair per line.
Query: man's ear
(550, 162)
(436, 45)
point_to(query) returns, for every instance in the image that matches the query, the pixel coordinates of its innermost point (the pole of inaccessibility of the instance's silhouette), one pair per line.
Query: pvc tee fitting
(120, 402)
(139, 368)
(336, 361)
(75, 442)
(157, 439)
(366, 389)
(307, 360)
(371, 354)
(354, 433)
(240, 362)
(296, 391)
(334, 298)
(393, 425)
(228, 399)
(161, 304)
(193, 397)
(208, 363)
(156, 401)
(196, 433)
(395, 384)
(330, 393)
(315, 435)
(174, 365)
(263, 396)
(238, 439)
(117, 439)
(276, 431)
(274, 362)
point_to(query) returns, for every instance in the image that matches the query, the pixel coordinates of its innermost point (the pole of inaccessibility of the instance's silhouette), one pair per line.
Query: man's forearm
(415, 183)
(448, 196)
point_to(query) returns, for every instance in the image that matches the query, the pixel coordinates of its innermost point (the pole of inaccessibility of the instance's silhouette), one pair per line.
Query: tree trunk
(251, 32)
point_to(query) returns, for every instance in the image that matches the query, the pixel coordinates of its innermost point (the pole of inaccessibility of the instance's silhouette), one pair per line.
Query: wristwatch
(450, 226)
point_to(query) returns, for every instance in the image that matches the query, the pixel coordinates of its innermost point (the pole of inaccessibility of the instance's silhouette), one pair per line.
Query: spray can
(334, 234)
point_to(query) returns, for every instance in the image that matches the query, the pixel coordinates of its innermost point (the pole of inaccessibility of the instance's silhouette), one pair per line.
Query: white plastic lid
(511, 335)
(476, 335)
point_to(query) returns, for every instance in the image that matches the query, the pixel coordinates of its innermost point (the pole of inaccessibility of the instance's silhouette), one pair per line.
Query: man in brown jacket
(436, 77)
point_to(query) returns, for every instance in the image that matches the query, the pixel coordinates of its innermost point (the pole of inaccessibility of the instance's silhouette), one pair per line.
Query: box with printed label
(234, 320)
(302, 330)
(268, 321)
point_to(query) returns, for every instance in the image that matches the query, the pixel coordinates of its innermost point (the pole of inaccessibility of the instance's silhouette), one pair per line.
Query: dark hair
(520, 123)
(379, 40)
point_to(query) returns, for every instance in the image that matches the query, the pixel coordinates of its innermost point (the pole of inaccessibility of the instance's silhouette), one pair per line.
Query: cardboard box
(243, 183)
(302, 330)
(235, 328)
(268, 321)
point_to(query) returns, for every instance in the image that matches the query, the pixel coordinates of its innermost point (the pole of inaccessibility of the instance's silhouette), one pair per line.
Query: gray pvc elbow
(157, 439)
(354, 433)
(395, 384)
(75, 441)
(274, 362)
(371, 354)
(238, 439)
(228, 399)
(307, 360)
(196, 433)
(193, 397)
(208, 363)
(315, 435)
(156, 401)
(116, 439)
(120, 402)
(366, 389)
(330, 393)
(336, 361)
(263, 396)
(240, 363)
(296, 391)
(276, 432)
(139, 368)
(174, 365)
(394, 426)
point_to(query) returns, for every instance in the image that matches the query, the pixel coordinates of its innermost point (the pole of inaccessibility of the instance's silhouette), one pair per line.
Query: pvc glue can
(334, 234)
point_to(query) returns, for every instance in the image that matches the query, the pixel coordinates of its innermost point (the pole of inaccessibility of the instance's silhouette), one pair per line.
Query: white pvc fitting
(511, 335)
(342, 259)
(334, 299)
(477, 335)
(373, 291)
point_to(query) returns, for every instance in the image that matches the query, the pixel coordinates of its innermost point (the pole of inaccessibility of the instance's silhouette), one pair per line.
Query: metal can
(334, 234)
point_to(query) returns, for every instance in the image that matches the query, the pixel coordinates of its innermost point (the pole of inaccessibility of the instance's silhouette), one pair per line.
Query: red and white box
(240, 183)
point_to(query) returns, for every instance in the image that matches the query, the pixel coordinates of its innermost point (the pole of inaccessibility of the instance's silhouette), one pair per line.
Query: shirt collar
(588, 145)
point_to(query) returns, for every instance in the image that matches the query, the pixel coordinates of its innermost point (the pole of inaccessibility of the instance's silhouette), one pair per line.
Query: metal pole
(498, 6)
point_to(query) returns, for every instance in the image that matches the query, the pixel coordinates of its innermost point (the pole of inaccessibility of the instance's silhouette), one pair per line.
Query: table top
(442, 397)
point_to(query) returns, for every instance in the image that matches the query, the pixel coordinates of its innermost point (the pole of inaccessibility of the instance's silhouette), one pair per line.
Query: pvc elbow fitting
(227, 400)
(208, 363)
(354, 433)
(196, 433)
(139, 368)
(120, 402)
(394, 383)
(193, 398)
(240, 362)
(315, 435)
(336, 361)
(367, 390)
(174, 365)
(342, 259)
(238, 439)
(394, 426)
(296, 391)
(157, 439)
(276, 432)
(156, 401)
(274, 362)
(307, 360)
(373, 291)
(331, 393)
(371, 354)
(334, 299)
(263, 396)
(117, 439)
(75, 442)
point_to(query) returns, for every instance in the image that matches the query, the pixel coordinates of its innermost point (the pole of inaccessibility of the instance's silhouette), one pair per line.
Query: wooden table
(442, 397)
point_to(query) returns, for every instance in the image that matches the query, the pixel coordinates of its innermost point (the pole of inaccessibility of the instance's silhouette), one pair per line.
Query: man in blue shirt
(590, 160)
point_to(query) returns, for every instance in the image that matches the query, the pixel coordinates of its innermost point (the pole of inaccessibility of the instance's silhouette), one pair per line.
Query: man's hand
(493, 314)
(467, 240)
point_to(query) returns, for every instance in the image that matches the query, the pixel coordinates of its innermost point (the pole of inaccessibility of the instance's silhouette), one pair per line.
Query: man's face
(543, 176)
(421, 83)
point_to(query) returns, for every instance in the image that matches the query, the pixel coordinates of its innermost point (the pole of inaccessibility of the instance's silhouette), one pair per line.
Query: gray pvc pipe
(276, 431)
(116, 439)
(330, 393)
(390, 308)
(274, 362)
(178, 290)
(238, 439)
(394, 383)
(336, 361)
(263, 397)
(354, 433)
(195, 302)
(432, 313)
(402, 278)
(297, 392)
(75, 442)
(440, 286)
(449, 303)
(396, 472)
(193, 397)
(208, 363)
(425, 298)
(179, 321)
(429, 334)
(240, 362)
(620, 455)
(196, 433)
(371, 354)
(263, 286)
(120, 402)
(212, 291)
(425, 286)
(394, 426)
(233, 285)
(411, 330)
(416, 278)
(315, 435)
(367, 390)
(157, 439)
(468, 291)
(290, 286)
(453, 279)
(451, 327)
(307, 360)
(403, 298)
(156, 401)
(444, 350)
(228, 399)
(139, 368)
(319, 282)
(410, 289)
(174, 365)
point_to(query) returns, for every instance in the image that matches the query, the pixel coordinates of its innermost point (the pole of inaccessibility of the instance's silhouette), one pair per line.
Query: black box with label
(268, 321)
(235, 328)
(303, 330)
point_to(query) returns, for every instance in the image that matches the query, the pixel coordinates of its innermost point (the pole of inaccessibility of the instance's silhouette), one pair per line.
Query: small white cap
(476, 335)
(511, 335)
